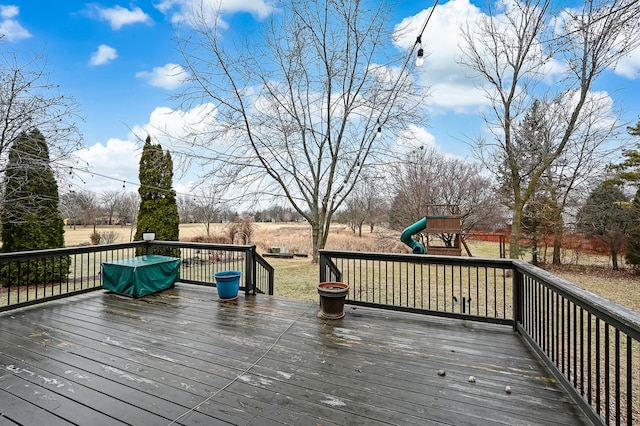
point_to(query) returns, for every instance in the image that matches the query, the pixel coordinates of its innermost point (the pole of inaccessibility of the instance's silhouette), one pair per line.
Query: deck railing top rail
(625, 319)
(41, 254)
(420, 259)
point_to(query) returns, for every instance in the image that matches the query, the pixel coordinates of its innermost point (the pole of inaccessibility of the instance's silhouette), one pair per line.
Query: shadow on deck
(181, 357)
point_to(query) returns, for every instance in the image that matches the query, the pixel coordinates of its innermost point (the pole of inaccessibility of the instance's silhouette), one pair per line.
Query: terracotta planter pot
(332, 297)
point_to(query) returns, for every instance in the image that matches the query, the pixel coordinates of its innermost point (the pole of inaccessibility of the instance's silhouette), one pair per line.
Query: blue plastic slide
(411, 230)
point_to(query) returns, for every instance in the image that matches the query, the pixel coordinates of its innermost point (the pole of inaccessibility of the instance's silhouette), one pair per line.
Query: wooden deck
(181, 357)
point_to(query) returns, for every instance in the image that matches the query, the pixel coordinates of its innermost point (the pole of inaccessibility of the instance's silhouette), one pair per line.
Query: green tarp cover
(140, 275)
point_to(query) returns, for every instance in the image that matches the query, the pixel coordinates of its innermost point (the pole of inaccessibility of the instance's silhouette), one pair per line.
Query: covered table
(141, 275)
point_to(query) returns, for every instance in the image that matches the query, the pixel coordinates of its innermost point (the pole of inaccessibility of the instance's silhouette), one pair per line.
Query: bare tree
(426, 177)
(513, 53)
(80, 207)
(110, 200)
(186, 208)
(209, 205)
(411, 186)
(365, 204)
(606, 217)
(128, 208)
(299, 109)
(29, 101)
(570, 177)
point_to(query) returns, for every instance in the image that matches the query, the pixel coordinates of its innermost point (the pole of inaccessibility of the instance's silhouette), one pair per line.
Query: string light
(124, 182)
(420, 57)
(418, 43)
(419, 60)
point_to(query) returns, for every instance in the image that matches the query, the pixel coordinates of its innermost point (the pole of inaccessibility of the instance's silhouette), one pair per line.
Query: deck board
(181, 357)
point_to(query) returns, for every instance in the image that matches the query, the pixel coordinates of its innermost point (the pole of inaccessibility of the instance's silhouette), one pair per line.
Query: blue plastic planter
(228, 284)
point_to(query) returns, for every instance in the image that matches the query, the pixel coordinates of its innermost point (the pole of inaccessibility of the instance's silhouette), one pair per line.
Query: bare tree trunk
(276, 98)
(516, 229)
(557, 245)
(614, 259)
(316, 239)
(514, 238)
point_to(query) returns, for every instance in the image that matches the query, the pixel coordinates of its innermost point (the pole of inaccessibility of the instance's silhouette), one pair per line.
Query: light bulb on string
(420, 56)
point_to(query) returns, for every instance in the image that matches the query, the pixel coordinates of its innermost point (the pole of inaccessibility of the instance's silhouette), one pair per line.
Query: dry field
(297, 278)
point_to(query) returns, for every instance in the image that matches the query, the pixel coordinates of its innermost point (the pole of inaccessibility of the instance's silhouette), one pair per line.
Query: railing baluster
(607, 375)
(589, 358)
(581, 351)
(437, 308)
(630, 392)
(598, 367)
(564, 336)
(575, 345)
(617, 374)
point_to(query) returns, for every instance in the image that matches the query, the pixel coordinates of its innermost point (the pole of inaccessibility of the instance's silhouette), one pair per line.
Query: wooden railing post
(323, 267)
(518, 300)
(250, 268)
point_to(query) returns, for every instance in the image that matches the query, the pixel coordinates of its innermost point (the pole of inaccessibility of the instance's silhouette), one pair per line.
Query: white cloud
(8, 12)
(119, 16)
(114, 164)
(116, 154)
(452, 86)
(108, 166)
(629, 66)
(169, 76)
(413, 137)
(103, 55)
(449, 82)
(9, 27)
(187, 10)
(180, 125)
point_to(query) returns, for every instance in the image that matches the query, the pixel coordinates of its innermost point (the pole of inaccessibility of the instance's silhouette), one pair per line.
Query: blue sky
(119, 60)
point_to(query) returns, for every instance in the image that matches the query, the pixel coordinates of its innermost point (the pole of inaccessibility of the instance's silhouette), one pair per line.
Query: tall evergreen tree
(633, 235)
(30, 216)
(158, 210)
(629, 172)
(606, 217)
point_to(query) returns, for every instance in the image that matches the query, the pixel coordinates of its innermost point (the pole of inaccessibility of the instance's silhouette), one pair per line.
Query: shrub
(95, 238)
(241, 231)
(40, 271)
(108, 237)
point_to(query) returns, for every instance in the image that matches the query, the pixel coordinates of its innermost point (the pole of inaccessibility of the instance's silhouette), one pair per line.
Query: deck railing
(447, 286)
(591, 345)
(35, 276)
